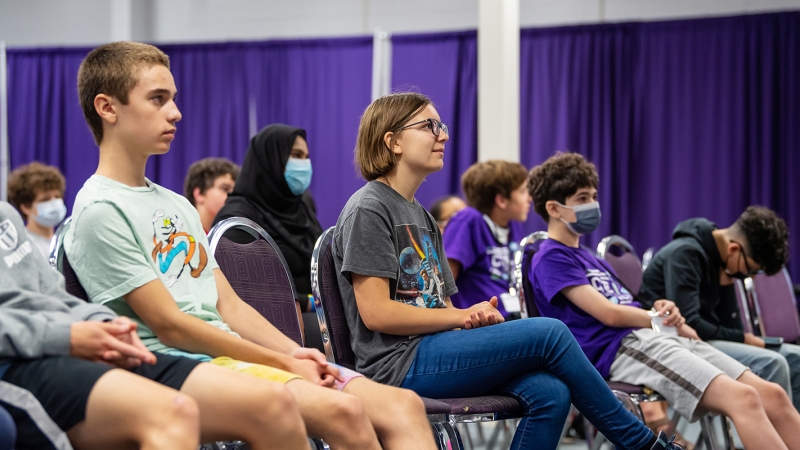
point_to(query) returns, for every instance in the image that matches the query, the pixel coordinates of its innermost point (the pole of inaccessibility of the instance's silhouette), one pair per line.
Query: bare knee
(747, 399)
(406, 403)
(276, 406)
(350, 410)
(773, 395)
(177, 419)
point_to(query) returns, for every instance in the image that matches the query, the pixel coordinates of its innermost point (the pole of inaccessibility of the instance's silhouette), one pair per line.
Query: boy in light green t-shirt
(141, 250)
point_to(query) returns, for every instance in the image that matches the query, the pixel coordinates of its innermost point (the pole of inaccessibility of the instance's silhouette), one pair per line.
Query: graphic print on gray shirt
(381, 234)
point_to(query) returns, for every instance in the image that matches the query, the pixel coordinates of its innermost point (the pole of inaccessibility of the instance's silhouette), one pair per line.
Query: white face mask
(50, 213)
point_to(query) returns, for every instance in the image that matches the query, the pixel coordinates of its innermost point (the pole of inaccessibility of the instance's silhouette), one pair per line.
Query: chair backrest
(58, 260)
(328, 302)
(528, 246)
(647, 256)
(258, 274)
(619, 253)
(776, 305)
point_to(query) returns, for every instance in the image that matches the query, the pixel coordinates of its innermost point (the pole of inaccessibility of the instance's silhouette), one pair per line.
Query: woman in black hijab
(271, 190)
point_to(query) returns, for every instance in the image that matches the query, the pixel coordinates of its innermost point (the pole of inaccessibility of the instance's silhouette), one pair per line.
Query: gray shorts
(678, 368)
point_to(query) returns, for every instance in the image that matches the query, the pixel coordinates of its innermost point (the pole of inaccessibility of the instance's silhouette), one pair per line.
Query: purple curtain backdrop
(444, 66)
(322, 85)
(682, 118)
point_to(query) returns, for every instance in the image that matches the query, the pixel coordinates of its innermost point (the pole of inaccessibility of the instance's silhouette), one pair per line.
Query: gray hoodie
(35, 311)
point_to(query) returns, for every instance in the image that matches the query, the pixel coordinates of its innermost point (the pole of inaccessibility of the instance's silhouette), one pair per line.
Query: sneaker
(663, 444)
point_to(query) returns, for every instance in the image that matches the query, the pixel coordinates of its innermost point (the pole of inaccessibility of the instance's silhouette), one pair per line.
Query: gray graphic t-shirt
(379, 233)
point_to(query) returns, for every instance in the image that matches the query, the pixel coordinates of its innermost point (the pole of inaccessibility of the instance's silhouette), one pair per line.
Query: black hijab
(262, 195)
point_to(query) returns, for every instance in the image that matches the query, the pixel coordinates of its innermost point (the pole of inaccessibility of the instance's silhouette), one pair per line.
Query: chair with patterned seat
(336, 339)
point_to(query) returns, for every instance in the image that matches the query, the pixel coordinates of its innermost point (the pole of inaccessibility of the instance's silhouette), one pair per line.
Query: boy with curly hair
(37, 191)
(573, 285)
(697, 270)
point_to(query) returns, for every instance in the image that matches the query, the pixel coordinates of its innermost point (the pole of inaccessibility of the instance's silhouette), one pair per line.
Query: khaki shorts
(678, 368)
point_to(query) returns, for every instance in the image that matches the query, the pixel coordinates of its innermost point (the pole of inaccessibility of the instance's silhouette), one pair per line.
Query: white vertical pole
(121, 20)
(381, 63)
(498, 80)
(4, 157)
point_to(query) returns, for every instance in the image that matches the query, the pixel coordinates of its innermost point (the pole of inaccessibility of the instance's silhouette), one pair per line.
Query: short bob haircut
(386, 114)
(26, 182)
(484, 180)
(113, 69)
(558, 178)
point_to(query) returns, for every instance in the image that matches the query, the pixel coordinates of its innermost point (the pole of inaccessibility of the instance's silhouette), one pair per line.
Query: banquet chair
(619, 253)
(776, 305)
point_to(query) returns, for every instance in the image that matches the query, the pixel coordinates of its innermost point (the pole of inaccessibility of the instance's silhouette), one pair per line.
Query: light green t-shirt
(123, 237)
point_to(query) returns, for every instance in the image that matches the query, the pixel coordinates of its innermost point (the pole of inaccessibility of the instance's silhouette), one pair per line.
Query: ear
(197, 195)
(104, 106)
(27, 210)
(387, 139)
(551, 206)
(500, 201)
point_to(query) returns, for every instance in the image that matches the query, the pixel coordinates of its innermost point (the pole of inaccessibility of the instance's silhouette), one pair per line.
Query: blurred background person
(37, 191)
(446, 207)
(207, 185)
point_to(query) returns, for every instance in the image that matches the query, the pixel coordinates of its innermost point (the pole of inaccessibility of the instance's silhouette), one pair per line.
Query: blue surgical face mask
(298, 174)
(587, 218)
(50, 213)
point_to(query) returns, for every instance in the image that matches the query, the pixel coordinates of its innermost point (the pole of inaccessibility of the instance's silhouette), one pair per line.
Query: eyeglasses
(750, 272)
(435, 126)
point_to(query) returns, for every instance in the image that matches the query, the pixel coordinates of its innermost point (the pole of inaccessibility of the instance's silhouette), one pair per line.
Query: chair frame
(750, 288)
(442, 423)
(57, 244)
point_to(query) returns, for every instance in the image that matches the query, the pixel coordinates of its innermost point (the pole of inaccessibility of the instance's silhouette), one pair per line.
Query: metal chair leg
(709, 435)
(453, 434)
(727, 433)
(438, 435)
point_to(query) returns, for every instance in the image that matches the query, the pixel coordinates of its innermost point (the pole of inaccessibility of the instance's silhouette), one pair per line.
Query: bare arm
(455, 267)
(155, 305)
(595, 304)
(384, 315)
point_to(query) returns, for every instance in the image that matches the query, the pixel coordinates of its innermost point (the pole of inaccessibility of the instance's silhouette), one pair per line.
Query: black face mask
(738, 275)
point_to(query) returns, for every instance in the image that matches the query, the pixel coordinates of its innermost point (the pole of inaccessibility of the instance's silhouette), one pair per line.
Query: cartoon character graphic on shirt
(420, 282)
(607, 284)
(172, 244)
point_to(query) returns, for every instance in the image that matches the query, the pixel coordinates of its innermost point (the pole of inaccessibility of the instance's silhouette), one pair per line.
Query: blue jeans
(538, 362)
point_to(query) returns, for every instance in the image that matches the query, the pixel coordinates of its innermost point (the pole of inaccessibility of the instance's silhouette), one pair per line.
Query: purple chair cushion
(482, 405)
(257, 275)
(777, 307)
(630, 389)
(435, 406)
(628, 269)
(334, 312)
(73, 286)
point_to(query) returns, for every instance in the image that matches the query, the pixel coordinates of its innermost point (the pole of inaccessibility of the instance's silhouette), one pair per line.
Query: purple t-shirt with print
(555, 267)
(486, 264)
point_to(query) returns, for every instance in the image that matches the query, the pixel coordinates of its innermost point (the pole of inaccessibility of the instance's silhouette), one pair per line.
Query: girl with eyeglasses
(396, 285)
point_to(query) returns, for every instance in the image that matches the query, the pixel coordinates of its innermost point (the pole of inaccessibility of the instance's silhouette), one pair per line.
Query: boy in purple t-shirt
(481, 239)
(571, 284)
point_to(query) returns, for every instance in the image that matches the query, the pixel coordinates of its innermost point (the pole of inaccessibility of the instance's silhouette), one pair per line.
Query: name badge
(510, 302)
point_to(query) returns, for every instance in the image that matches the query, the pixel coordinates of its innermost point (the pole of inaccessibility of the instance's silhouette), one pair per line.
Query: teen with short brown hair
(37, 191)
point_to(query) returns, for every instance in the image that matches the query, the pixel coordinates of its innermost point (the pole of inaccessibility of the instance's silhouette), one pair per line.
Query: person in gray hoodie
(697, 269)
(60, 377)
